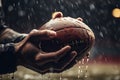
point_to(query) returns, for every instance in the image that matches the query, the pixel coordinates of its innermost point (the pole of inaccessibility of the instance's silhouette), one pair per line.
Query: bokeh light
(116, 12)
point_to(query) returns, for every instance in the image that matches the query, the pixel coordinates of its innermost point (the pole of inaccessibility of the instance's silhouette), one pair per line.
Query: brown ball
(70, 31)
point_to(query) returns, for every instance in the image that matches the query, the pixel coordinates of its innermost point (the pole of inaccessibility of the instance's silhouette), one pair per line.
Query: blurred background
(102, 16)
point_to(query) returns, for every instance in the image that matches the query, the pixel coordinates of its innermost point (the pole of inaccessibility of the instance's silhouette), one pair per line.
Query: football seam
(70, 27)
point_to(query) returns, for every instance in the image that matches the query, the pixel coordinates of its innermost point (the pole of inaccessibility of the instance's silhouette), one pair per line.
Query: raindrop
(92, 6)
(79, 69)
(88, 13)
(86, 75)
(10, 8)
(83, 61)
(83, 66)
(61, 77)
(40, 6)
(29, 17)
(37, 2)
(14, 4)
(21, 13)
(87, 60)
(18, 3)
(101, 34)
(86, 71)
(86, 66)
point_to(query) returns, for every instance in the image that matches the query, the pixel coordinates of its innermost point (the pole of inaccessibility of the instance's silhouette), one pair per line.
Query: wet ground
(93, 72)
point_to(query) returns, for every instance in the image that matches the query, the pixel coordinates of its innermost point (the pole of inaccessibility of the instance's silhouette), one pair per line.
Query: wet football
(70, 31)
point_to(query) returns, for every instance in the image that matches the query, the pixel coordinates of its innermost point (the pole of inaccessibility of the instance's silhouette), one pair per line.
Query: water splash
(86, 71)
(86, 65)
(79, 69)
(61, 77)
(83, 67)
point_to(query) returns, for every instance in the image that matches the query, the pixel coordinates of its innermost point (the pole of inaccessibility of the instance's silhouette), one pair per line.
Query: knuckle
(33, 31)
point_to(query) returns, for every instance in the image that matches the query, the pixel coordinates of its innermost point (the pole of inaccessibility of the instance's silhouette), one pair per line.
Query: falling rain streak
(83, 67)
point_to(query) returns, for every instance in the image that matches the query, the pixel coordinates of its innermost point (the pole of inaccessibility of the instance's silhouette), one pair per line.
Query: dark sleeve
(7, 58)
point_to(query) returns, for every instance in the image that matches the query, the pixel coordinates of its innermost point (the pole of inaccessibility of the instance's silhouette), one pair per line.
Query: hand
(32, 57)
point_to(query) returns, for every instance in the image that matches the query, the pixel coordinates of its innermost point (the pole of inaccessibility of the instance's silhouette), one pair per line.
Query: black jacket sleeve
(8, 60)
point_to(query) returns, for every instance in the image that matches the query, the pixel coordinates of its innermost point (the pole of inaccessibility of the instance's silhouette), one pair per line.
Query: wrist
(19, 42)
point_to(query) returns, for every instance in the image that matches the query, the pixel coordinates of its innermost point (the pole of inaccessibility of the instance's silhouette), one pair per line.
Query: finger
(52, 56)
(57, 15)
(80, 19)
(28, 36)
(65, 61)
(43, 33)
(59, 66)
(60, 53)
(23, 42)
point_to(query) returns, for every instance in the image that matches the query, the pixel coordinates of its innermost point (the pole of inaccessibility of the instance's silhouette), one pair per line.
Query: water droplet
(101, 34)
(21, 13)
(79, 69)
(87, 60)
(86, 76)
(86, 68)
(10, 8)
(83, 60)
(61, 76)
(92, 6)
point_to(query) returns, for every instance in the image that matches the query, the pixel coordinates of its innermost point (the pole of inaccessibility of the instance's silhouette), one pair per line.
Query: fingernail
(33, 31)
(67, 46)
(80, 19)
(52, 34)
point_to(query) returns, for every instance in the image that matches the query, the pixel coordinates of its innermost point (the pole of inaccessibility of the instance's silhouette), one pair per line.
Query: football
(70, 31)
